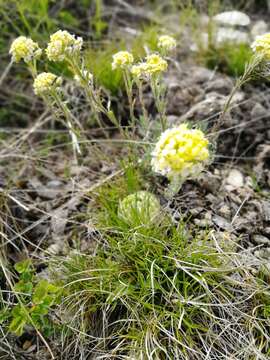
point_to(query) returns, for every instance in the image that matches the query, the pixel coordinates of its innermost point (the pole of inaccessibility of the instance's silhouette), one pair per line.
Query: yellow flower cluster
(154, 64)
(122, 59)
(45, 83)
(139, 70)
(63, 44)
(180, 152)
(166, 43)
(262, 45)
(24, 48)
(139, 208)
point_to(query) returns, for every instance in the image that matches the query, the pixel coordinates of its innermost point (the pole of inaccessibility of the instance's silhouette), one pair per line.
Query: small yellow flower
(24, 48)
(122, 59)
(139, 70)
(180, 152)
(45, 82)
(139, 208)
(155, 64)
(262, 45)
(63, 44)
(166, 43)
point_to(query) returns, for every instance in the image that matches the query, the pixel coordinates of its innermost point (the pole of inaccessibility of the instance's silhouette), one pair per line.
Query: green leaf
(19, 320)
(4, 315)
(24, 287)
(23, 266)
(41, 291)
(67, 18)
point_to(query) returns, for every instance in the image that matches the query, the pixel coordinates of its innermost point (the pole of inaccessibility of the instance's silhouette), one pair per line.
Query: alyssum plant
(180, 152)
(152, 290)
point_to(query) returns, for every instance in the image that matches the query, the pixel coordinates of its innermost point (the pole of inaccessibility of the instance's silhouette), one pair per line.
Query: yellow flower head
(63, 44)
(180, 152)
(262, 45)
(45, 82)
(122, 59)
(139, 70)
(139, 208)
(166, 43)
(155, 64)
(24, 48)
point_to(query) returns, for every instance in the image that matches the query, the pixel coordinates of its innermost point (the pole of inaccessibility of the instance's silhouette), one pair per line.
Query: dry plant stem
(250, 72)
(26, 313)
(6, 72)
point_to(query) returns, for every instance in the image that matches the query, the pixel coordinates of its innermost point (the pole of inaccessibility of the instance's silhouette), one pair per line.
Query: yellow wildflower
(155, 64)
(166, 43)
(262, 45)
(63, 44)
(122, 59)
(139, 70)
(180, 152)
(45, 83)
(139, 208)
(24, 48)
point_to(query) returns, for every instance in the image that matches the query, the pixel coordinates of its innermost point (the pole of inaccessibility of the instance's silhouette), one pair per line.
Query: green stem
(160, 101)
(128, 86)
(145, 114)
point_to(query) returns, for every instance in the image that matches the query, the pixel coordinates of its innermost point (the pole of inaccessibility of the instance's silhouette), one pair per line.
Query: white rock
(225, 35)
(235, 179)
(259, 28)
(232, 18)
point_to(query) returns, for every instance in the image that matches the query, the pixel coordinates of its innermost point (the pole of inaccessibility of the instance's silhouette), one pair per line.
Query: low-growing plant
(228, 58)
(157, 291)
(34, 299)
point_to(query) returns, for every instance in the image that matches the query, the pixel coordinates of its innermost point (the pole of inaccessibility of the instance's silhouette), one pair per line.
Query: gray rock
(201, 74)
(222, 85)
(212, 104)
(54, 184)
(258, 110)
(232, 18)
(234, 180)
(266, 210)
(261, 240)
(230, 35)
(263, 253)
(259, 28)
(222, 223)
(172, 120)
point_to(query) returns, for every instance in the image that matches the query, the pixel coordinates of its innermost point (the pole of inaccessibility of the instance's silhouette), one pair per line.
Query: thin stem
(62, 106)
(159, 100)
(145, 114)
(128, 86)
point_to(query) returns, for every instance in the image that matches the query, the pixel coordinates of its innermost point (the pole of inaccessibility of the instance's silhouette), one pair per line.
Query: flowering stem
(62, 106)
(128, 86)
(93, 98)
(89, 92)
(145, 114)
(158, 93)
